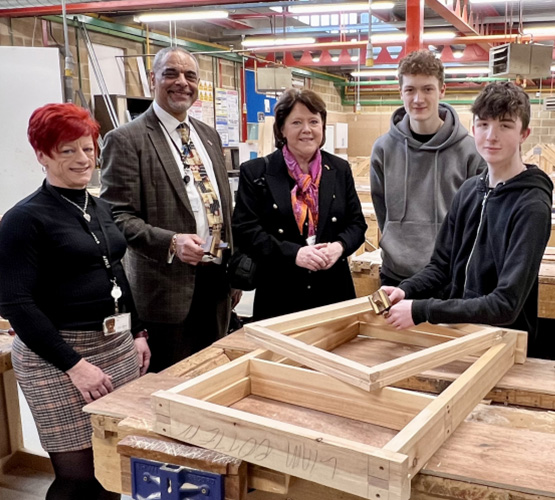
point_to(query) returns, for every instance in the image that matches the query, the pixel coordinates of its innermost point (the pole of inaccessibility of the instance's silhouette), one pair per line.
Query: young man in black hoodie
(490, 246)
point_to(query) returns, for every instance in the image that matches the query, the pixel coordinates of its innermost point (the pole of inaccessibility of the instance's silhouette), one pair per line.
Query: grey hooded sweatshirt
(413, 185)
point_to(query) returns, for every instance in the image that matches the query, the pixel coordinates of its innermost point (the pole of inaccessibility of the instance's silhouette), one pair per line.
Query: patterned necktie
(191, 160)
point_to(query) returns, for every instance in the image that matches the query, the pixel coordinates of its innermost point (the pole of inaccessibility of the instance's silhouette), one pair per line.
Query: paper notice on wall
(203, 108)
(227, 116)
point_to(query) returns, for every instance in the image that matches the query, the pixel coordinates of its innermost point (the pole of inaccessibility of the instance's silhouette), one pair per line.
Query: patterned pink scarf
(304, 195)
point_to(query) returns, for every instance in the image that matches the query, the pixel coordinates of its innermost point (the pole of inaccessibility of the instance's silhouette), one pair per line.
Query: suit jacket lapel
(165, 155)
(277, 178)
(325, 195)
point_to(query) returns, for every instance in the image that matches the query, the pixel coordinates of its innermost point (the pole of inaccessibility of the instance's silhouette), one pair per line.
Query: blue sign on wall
(255, 101)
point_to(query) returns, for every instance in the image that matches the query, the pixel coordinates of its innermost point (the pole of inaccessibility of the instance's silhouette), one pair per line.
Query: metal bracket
(152, 480)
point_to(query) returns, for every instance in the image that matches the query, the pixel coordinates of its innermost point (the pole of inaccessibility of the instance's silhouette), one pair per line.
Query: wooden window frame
(198, 411)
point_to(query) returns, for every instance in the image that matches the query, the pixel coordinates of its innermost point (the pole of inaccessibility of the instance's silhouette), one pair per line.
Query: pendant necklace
(86, 216)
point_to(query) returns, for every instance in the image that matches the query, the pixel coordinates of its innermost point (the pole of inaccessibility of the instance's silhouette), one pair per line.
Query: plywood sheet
(133, 399)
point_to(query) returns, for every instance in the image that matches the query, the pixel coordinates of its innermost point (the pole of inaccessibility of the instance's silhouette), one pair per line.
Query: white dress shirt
(169, 125)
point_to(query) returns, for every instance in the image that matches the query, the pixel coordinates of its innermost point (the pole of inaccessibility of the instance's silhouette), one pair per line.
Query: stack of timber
(542, 155)
(365, 270)
(546, 303)
(372, 235)
(361, 172)
(266, 136)
(360, 166)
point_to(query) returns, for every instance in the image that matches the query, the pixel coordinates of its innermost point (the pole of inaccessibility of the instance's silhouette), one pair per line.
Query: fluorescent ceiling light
(374, 72)
(389, 38)
(402, 37)
(466, 70)
(336, 8)
(269, 42)
(438, 35)
(181, 16)
(539, 30)
(451, 70)
(492, 1)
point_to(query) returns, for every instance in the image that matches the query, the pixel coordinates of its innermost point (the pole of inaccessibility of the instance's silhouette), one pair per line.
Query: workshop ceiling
(475, 26)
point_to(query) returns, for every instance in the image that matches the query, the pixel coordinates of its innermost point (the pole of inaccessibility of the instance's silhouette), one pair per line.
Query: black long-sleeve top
(52, 275)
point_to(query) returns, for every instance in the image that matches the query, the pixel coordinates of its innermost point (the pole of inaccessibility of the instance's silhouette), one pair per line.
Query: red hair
(54, 124)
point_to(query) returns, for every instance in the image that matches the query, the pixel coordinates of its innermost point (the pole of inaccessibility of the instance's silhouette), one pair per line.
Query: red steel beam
(113, 6)
(415, 25)
(452, 16)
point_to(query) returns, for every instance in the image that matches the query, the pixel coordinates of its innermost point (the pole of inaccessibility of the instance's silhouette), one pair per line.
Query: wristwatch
(141, 334)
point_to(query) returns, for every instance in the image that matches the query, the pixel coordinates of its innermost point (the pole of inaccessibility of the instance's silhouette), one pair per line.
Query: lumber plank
(218, 379)
(338, 463)
(296, 322)
(424, 435)
(401, 368)
(489, 430)
(531, 384)
(383, 374)
(389, 407)
(309, 355)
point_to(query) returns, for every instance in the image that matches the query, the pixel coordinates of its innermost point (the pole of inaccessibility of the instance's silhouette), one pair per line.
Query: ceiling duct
(514, 60)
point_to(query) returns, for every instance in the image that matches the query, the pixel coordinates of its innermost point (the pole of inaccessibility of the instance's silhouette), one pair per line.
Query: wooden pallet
(209, 411)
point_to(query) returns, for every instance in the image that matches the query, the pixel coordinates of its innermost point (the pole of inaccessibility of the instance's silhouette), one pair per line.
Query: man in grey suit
(178, 281)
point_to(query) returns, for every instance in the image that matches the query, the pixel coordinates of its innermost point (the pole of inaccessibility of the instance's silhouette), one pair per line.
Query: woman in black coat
(297, 214)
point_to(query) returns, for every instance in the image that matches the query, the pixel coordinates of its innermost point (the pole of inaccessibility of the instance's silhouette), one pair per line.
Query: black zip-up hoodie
(489, 249)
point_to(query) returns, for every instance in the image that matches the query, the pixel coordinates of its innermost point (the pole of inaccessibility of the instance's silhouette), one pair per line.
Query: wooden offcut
(210, 410)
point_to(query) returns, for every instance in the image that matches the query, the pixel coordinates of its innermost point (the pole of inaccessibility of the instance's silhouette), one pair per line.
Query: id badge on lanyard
(118, 322)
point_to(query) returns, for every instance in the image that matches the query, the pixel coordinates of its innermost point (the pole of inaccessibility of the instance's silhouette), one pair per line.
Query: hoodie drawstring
(406, 180)
(436, 191)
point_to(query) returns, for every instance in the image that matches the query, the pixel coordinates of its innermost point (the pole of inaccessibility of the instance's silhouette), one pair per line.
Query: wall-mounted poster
(227, 116)
(203, 108)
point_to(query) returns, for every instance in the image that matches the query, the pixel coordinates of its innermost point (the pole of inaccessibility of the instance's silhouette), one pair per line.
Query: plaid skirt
(56, 404)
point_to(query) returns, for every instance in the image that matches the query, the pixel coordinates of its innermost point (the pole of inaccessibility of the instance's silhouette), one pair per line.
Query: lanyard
(116, 292)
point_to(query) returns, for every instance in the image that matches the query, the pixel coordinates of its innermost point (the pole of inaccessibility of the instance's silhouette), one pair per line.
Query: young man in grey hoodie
(417, 167)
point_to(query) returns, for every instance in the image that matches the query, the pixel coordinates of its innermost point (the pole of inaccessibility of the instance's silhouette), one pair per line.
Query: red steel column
(415, 25)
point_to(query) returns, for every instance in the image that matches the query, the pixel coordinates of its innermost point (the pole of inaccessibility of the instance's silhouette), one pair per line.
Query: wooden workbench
(11, 439)
(498, 452)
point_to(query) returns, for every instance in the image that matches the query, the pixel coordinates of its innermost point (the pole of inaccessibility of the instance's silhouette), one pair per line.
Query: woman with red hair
(66, 296)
